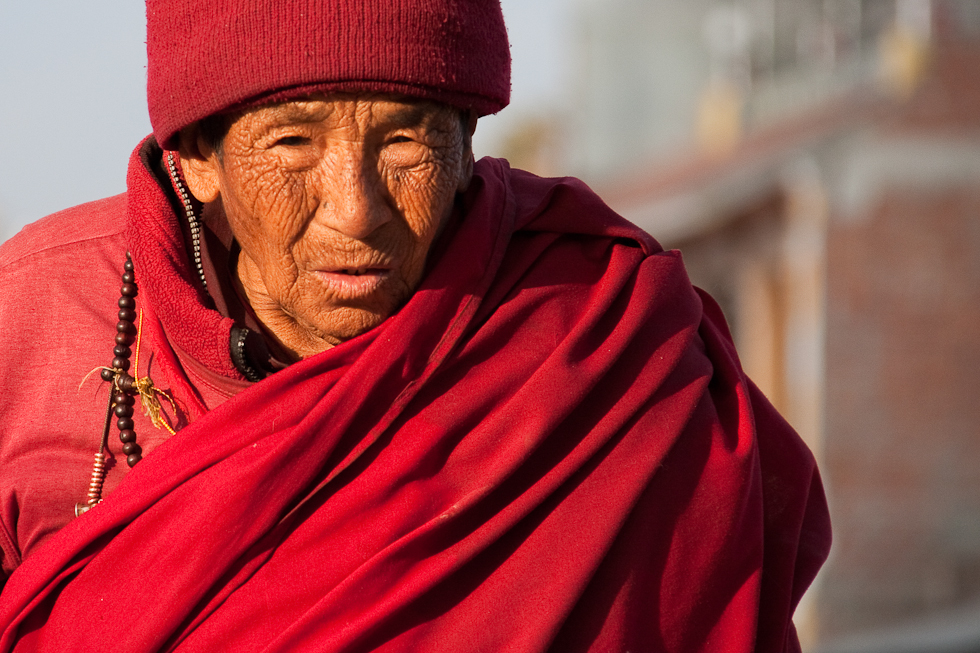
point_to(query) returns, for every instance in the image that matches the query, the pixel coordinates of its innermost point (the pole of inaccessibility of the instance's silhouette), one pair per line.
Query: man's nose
(353, 196)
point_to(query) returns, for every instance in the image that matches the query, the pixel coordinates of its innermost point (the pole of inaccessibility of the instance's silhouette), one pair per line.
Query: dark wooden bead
(122, 350)
(133, 459)
(124, 338)
(125, 423)
(123, 399)
(125, 327)
(107, 374)
(127, 435)
(120, 363)
(127, 302)
(131, 448)
(128, 265)
(127, 315)
(128, 290)
(125, 383)
(128, 277)
(122, 410)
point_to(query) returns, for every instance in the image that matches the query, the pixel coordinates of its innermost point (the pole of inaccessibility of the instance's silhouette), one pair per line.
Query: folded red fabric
(552, 446)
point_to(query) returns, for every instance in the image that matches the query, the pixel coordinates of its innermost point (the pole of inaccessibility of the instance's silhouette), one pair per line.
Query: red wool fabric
(207, 56)
(550, 447)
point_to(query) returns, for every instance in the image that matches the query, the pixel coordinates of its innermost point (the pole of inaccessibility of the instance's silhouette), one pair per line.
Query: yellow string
(139, 338)
(148, 393)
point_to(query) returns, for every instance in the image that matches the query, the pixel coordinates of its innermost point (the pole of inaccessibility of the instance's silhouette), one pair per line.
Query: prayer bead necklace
(125, 387)
(121, 398)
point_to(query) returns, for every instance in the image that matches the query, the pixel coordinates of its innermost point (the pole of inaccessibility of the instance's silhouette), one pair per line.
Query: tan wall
(902, 452)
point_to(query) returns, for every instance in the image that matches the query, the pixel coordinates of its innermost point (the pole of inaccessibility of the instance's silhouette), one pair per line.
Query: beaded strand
(121, 399)
(123, 384)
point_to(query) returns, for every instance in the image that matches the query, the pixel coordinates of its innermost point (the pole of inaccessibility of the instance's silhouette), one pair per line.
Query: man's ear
(199, 163)
(469, 125)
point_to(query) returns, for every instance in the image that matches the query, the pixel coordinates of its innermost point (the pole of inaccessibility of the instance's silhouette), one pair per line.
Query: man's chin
(346, 323)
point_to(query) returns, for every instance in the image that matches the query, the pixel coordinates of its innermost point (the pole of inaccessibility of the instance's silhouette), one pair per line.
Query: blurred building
(818, 164)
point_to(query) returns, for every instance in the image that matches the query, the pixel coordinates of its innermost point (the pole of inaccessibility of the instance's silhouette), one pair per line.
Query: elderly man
(347, 390)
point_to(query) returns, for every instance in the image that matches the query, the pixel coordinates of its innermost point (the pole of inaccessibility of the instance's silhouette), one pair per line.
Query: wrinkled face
(335, 204)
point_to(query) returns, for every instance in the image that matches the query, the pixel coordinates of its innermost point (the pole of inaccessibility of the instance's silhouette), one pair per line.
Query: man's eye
(292, 141)
(405, 152)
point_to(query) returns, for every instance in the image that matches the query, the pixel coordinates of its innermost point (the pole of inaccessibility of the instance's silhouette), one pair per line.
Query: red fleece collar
(166, 278)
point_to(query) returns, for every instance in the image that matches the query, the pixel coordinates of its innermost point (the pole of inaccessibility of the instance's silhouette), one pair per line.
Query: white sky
(73, 107)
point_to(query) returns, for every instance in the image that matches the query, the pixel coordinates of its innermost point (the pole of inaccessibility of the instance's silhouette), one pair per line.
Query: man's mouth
(350, 283)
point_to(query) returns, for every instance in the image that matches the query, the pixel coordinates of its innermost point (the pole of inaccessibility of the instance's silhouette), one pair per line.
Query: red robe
(552, 446)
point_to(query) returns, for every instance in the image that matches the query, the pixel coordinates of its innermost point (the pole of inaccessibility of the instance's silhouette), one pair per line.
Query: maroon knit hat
(209, 56)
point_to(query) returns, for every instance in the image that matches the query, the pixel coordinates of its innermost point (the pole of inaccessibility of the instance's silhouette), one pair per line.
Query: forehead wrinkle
(298, 112)
(392, 114)
(401, 114)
